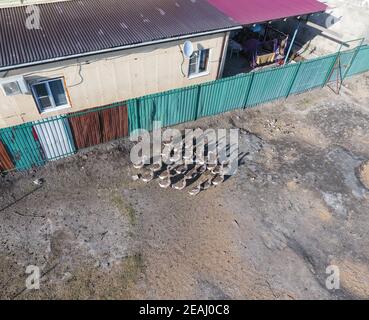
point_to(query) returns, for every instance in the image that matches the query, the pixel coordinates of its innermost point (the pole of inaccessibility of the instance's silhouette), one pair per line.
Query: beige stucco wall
(104, 79)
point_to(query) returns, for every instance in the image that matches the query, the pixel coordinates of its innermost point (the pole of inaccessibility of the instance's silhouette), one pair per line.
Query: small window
(199, 62)
(50, 95)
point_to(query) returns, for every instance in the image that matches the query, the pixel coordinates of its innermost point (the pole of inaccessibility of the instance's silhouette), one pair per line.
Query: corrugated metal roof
(76, 27)
(254, 11)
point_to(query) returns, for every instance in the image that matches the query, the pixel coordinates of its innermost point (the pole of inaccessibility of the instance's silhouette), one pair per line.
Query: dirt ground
(298, 204)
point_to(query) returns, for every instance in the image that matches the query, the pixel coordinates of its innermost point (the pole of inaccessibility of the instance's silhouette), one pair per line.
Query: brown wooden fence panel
(5, 161)
(114, 123)
(86, 130)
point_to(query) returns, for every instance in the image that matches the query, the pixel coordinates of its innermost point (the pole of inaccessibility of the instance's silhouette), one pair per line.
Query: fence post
(293, 80)
(352, 60)
(248, 91)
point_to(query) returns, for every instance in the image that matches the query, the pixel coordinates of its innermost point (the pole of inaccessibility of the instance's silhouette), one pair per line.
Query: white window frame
(198, 73)
(50, 95)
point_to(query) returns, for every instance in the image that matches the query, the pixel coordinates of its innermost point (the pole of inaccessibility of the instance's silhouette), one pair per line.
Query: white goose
(155, 167)
(138, 165)
(188, 156)
(147, 176)
(212, 157)
(192, 173)
(176, 157)
(166, 160)
(200, 160)
(201, 168)
(167, 173)
(168, 142)
(181, 169)
(208, 183)
(181, 184)
(212, 166)
(195, 191)
(165, 183)
(141, 164)
(225, 167)
(188, 144)
(219, 179)
(216, 170)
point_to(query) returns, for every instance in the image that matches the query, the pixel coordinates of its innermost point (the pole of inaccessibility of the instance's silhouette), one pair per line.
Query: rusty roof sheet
(71, 28)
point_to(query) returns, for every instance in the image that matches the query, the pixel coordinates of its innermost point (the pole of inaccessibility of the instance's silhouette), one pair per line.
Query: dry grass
(364, 174)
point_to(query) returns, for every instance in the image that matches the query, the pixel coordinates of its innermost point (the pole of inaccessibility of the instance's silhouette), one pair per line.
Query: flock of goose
(205, 171)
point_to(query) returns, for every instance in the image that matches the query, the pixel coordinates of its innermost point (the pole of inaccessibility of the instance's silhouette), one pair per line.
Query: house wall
(104, 79)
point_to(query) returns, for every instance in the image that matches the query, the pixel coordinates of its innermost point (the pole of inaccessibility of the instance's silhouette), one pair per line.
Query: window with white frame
(199, 62)
(50, 95)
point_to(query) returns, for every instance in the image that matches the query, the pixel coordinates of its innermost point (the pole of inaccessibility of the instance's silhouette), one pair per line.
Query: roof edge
(120, 48)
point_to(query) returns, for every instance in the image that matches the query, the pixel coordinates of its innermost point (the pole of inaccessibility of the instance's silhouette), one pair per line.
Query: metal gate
(343, 64)
(55, 138)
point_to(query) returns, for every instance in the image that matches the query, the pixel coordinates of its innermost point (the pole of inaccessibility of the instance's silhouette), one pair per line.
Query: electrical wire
(183, 61)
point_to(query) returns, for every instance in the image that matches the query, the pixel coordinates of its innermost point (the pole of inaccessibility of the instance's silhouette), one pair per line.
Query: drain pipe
(292, 43)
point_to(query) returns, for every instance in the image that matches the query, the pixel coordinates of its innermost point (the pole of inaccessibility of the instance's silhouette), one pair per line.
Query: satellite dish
(188, 49)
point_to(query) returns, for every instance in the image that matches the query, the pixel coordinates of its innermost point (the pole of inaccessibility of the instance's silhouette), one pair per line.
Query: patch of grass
(133, 266)
(90, 282)
(125, 208)
(122, 284)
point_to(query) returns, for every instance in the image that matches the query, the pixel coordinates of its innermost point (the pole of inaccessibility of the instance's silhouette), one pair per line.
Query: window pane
(57, 90)
(44, 103)
(199, 62)
(42, 96)
(193, 69)
(193, 63)
(204, 59)
(193, 59)
(41, 90)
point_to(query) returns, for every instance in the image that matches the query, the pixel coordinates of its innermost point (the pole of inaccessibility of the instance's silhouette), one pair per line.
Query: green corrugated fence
(247, 90)
(361, 62)
(169, 107)
(223, 95)
(313, 74)
(21, 144)
(342, 66)
(271, 84)
(34, 144)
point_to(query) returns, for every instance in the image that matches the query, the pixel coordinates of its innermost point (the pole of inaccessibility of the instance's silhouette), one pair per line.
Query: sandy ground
(298, 204)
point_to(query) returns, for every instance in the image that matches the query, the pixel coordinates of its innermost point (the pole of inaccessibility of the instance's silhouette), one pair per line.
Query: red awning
(256, 11)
